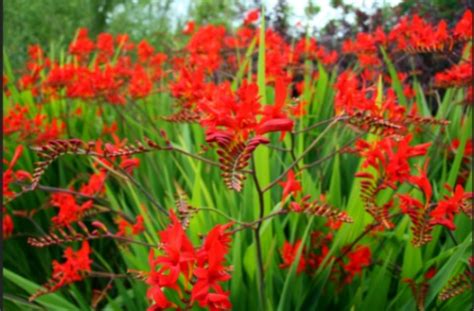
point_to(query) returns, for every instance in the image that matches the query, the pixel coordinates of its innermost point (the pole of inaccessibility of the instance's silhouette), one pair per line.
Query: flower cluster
(37, 129)
(347, 265)
(74, 269)
(213, 82)
(202, 270)
(428, 214)
(112, 78)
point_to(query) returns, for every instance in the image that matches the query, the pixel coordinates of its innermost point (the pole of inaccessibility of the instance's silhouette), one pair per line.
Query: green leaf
(52, 301)
(284, 302)
(396, 84)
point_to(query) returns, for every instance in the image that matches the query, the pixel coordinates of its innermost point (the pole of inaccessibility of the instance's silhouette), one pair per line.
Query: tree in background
(25, 22)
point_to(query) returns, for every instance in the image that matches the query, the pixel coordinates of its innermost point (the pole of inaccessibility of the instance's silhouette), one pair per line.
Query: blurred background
(54, 22)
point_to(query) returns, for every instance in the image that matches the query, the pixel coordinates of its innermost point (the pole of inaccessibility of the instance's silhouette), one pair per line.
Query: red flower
(463, 29)
(140, 84)
(291, 186)
(335, 224)
(416, 34)
(359, 258)
(205, 46)
(105, 45)
(7, 225)
(130, 164)
(189, 28)
(458, 75)
(77, 264)
(82, 46)
(274, 119)
(69, 210)
(430, 273)
(145, 51)
(178, 255)
(95, 185)
(391, 157)
(275, 125)
(210, 270)
(289, 252)
(251, 16)
(124, 43)
(444, 212)
(236, 113)
(178, 258)
(467, 149)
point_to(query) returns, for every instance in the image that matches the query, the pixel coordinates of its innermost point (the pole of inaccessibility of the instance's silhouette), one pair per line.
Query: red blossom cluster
(238, 114)
(434, 213)
(411, 34)
(390, 158)
(202, 270)
(74, 269)
(458, 76)
(36, 129)
(113, 77)
(69, 210)
(347, 265)
(358, 94)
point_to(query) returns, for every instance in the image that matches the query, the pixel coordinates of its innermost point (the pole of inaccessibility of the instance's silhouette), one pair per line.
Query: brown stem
(100, 274)
(315, 125)
(332, 153)
(253, 223)
(197, 157)
(143, 190)
(451, 235)
(124, 239)
(223, 215)
(277, 148)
